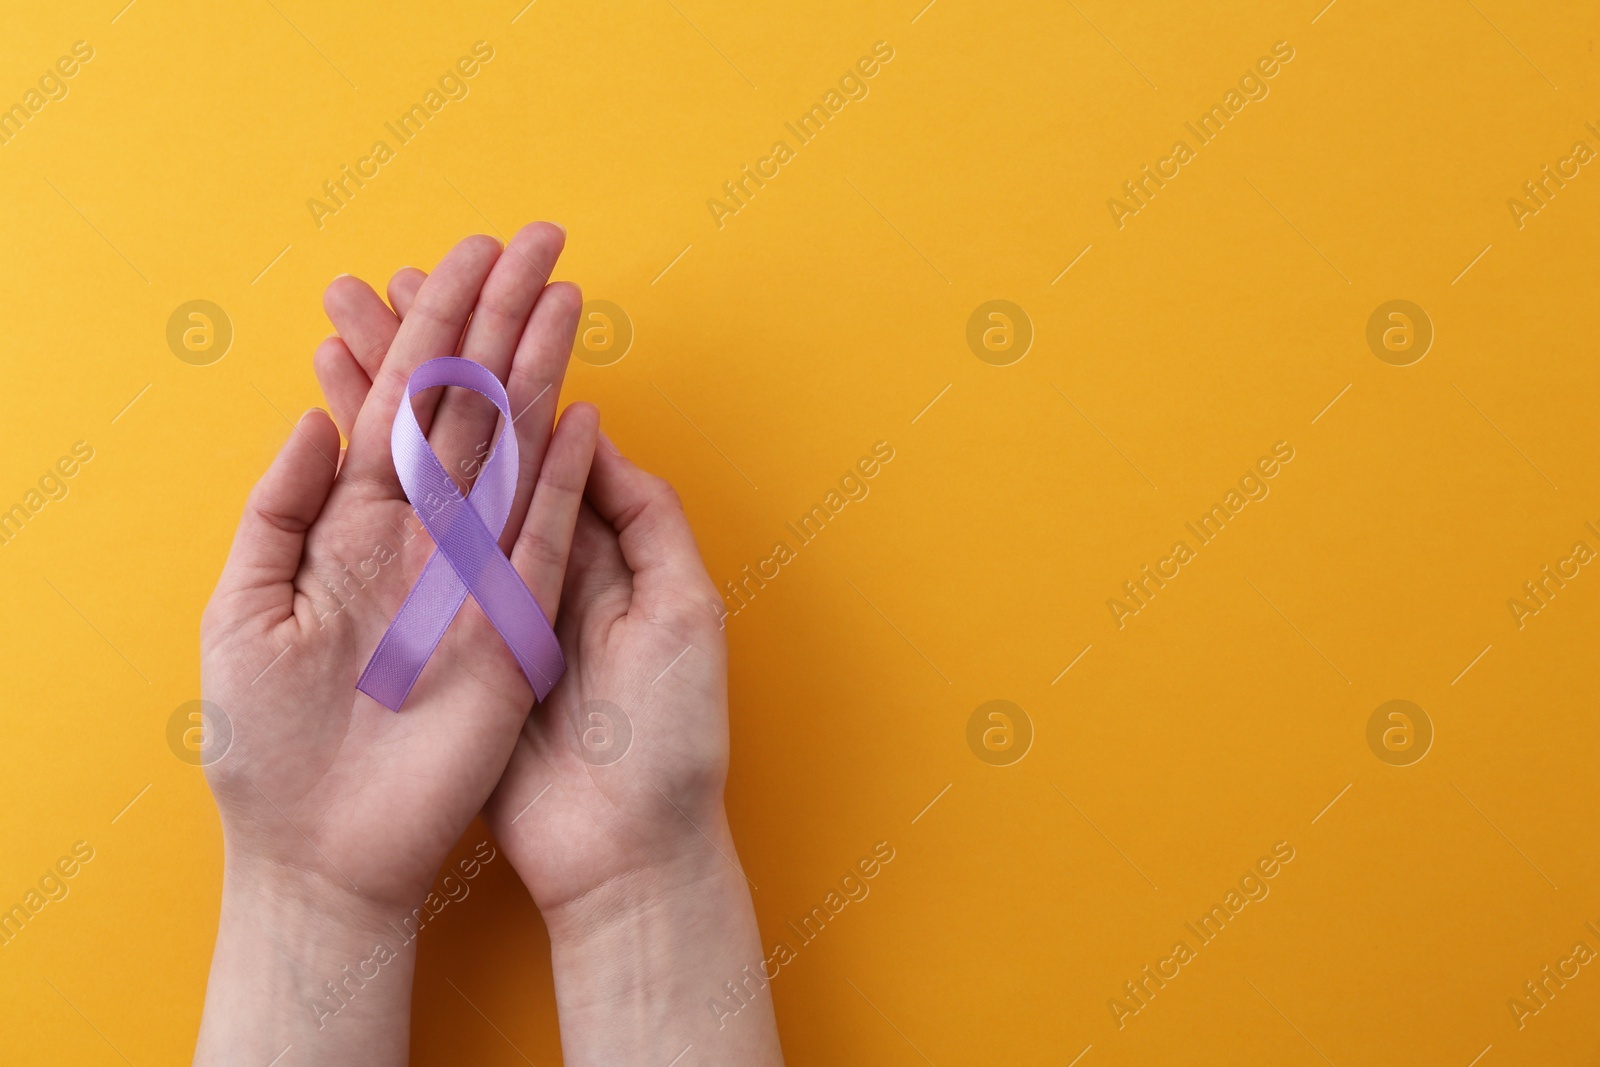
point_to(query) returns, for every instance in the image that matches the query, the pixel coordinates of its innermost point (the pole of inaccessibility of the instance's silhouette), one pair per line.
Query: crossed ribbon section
(467, 558)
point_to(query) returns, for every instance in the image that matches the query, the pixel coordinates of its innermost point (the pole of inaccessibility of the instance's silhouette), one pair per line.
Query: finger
(432, 327)
(403, 289)
(362, 319)
(653, 533)
(598, 586)
(464, 420)
(535, 384)
(282, 506)
(536, 374)
(344, 382)
(542, 546)
(337, 369)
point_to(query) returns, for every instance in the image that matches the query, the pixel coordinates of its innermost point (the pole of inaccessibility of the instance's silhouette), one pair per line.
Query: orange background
(771, 353)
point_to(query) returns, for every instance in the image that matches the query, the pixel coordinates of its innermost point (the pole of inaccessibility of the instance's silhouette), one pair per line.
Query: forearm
(649, 965)
(303, 969)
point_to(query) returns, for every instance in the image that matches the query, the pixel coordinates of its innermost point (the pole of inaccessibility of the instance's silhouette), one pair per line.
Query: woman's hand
(337, 812)
(611, 805)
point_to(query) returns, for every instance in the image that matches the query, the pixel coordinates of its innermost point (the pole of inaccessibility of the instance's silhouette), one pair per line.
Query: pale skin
(338, 813)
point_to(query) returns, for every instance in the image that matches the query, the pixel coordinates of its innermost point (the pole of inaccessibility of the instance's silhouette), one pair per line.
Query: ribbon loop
(467, 558)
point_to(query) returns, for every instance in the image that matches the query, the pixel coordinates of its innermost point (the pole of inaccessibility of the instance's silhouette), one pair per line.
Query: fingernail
(607, 442)
(560, 227)
(336, 277)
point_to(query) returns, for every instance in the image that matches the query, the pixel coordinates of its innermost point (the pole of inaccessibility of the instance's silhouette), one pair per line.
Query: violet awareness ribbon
(467, 558)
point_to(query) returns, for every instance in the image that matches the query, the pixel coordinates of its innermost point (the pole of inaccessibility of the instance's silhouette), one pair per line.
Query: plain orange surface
(1170, 348)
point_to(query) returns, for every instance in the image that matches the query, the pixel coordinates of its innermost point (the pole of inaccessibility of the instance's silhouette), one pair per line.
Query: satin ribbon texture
(467, 557)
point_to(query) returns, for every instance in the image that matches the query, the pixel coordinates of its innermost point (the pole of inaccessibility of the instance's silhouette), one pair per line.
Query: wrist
(253, 876)
(643, 962)
(301, 962)
(681, 866)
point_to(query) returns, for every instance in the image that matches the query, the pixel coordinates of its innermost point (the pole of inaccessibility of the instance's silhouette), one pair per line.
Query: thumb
(280, 509)
(652, 531)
